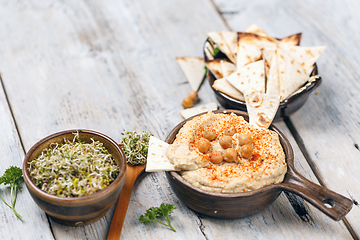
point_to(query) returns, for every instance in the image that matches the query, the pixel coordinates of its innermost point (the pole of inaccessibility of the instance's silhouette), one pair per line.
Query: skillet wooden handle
(332, 204)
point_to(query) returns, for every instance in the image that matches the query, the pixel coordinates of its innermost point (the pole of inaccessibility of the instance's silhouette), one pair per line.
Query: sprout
(74, 168)
(135, 146)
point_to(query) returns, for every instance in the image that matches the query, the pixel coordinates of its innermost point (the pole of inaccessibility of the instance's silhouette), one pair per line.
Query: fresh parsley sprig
(13, 177)
(153, 213)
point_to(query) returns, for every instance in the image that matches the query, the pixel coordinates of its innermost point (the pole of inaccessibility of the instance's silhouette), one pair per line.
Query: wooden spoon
(132, 173)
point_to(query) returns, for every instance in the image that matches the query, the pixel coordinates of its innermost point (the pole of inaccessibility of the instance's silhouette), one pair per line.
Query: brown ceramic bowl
(286, 107)
(80, 210)
(221, 205)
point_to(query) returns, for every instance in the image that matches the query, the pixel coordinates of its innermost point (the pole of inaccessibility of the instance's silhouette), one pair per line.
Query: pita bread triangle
(220, 42)
(251, 77)
(292, 75)
(253, 28)
(293, 40)
(272, 81)
(194, 70)
(156, 159)
(267, 54)
(225, 87)
(248, 48)
(231, 40)
(227, 68)
(250, 80)
(261, 108)
(307, 56)
(215, 67)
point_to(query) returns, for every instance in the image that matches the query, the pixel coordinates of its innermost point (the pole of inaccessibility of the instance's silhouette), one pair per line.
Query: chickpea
(203, 145)
(230, 155)
(246, 151)
(244, 139)
(230, 131)
(209, 134)
(194, 96)
(216, 157)
(187, 102)
(225, 141)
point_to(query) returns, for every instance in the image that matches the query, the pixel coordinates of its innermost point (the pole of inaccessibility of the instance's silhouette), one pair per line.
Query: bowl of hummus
(225, 168)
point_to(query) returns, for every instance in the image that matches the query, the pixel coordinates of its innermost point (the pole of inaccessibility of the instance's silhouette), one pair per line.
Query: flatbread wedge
(248, 47)
(225, 87)
(253, 28)
(261, 115)
(292, 75)
(293, 40)
(230, 38)
(194, 70)
(227, 68)
(272, 80)
(251, 77)
(217, 38)
(215, 67)
(156, 159)
(306, 56)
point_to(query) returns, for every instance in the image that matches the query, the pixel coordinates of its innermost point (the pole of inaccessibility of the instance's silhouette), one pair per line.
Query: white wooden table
(110, 66)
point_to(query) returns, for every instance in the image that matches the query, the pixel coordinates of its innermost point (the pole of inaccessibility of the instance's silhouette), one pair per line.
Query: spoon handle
(123, 202)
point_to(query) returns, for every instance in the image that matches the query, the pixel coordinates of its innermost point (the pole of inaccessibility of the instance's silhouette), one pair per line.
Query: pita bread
(272, 81)
(231, 40)
(199, 109)
(227, 68)
(248, 48)
(293, 40)
(215, 67)
(225, 87)
(253, 28)
(261, 114)
(292, 75)
(217, 38)
(307, 56)
(267, 54)
(251, 77)
(156, 159)
(194, 70)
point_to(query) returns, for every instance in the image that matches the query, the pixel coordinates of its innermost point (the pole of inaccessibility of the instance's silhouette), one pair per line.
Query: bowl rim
(287, 148)
(307, 87)
(71, 200)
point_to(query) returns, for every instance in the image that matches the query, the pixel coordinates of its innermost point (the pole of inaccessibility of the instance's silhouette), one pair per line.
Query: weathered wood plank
(328, 123)
(34, 224)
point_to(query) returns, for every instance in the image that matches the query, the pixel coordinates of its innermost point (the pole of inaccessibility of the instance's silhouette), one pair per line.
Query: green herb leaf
(153, 213)
(216, 50)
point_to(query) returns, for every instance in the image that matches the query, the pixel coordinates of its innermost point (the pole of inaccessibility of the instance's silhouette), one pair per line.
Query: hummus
(243, 172)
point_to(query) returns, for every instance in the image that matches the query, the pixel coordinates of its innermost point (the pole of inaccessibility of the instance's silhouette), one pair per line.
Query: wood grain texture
(329, 123)
(34, 224)
(109, 66)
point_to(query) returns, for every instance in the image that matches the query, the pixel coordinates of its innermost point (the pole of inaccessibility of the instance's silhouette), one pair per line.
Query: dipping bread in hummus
(219, 152)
